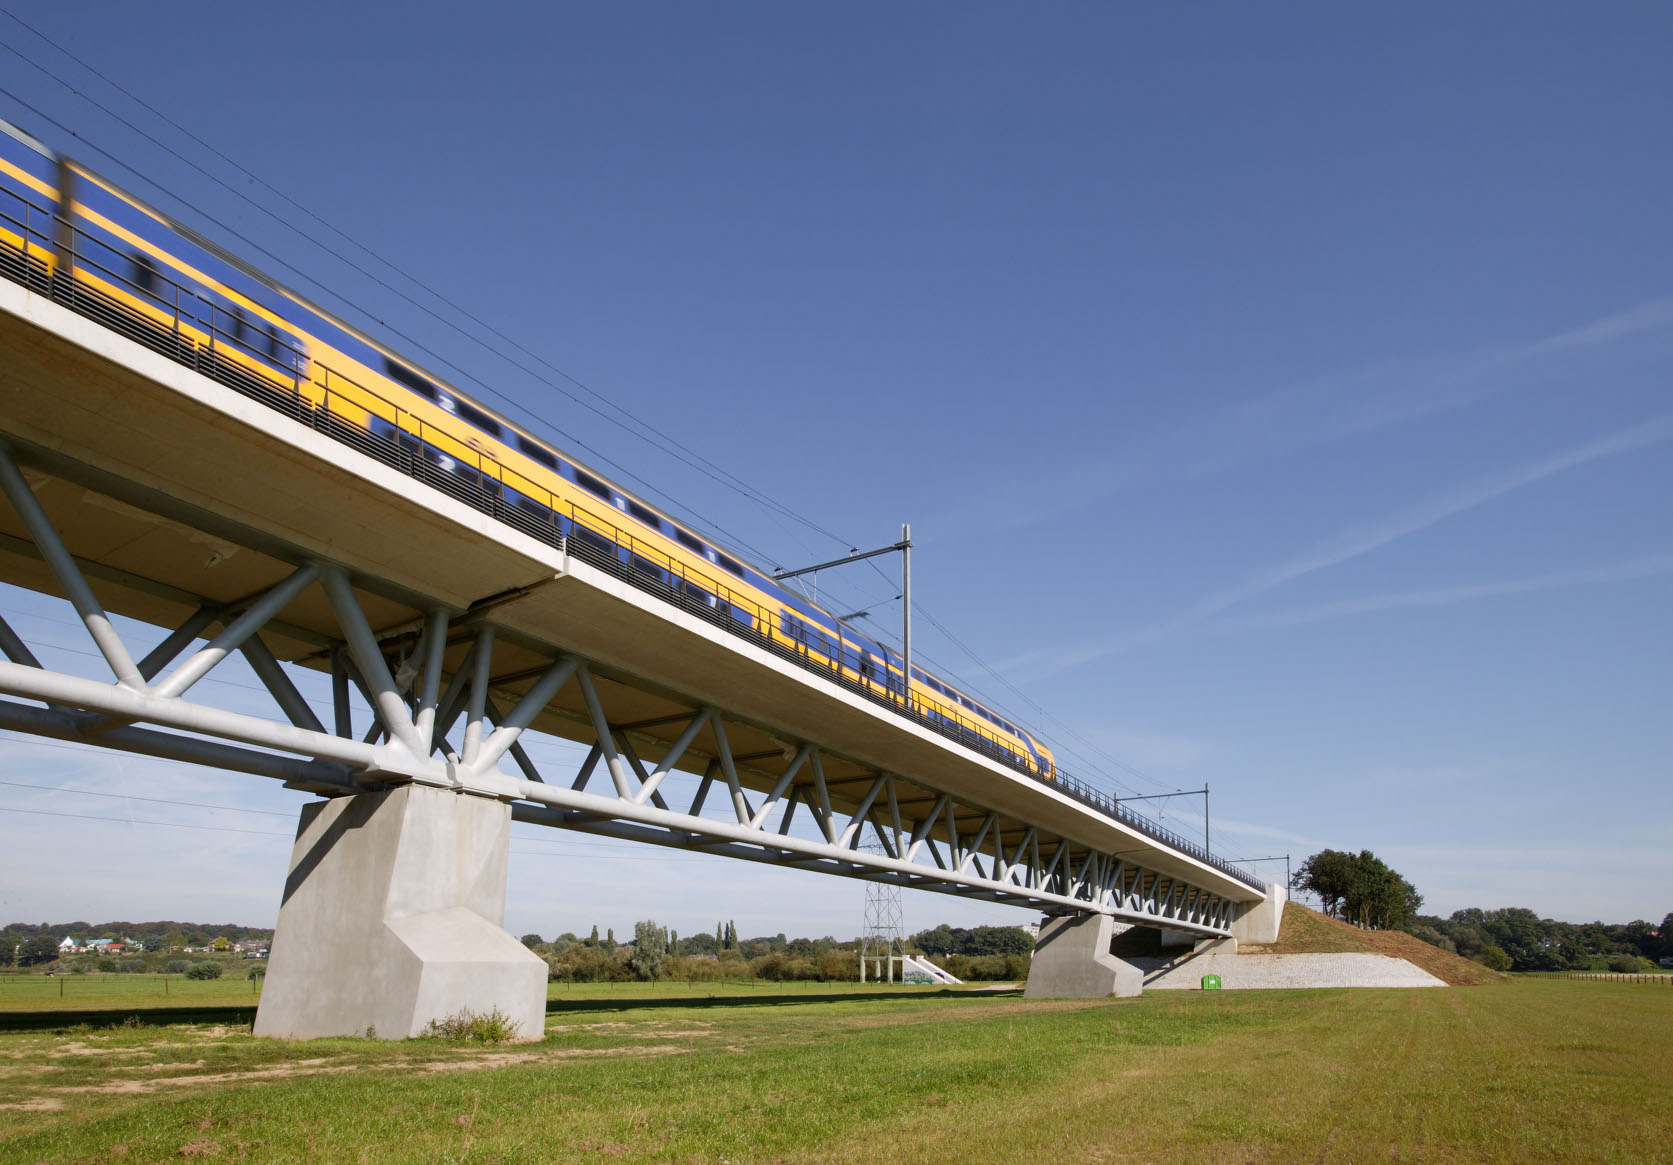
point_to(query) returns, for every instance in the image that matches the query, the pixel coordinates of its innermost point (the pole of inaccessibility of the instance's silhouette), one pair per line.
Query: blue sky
(1278, 394)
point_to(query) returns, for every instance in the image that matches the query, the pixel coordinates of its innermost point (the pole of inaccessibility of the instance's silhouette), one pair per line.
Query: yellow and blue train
(64, 228)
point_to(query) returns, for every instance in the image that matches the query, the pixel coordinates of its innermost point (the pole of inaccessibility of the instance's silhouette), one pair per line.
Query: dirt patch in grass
(326, 1067)
(1307, 932)
(37, 1104)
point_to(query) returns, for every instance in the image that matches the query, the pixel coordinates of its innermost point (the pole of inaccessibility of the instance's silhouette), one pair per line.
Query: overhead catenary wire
(591, 857)
(349, 307)
(632, 424)
(657, 438)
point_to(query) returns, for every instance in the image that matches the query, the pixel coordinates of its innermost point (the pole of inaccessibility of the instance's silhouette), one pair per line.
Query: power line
(620, 470)
(152, 800)
(131, 821)
(663, 441)
(1038, 709)
(659, 440)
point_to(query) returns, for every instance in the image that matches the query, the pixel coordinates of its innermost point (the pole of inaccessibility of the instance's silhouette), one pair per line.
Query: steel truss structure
(451, 695)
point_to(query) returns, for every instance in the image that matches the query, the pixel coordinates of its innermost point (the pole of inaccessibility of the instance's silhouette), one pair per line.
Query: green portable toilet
(1211, 982)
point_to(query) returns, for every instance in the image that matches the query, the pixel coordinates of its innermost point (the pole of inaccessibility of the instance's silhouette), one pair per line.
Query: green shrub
(839, 966)
(986, 968)
(466, 1026)
(778, 968)
(204, 969)
(1494, 958)
(1624, 963)
(178, 966)
(584, 964)
(691, 969)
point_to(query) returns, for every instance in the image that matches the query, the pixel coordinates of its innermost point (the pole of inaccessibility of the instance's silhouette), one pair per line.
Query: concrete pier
(393, 917)
(1072, 960)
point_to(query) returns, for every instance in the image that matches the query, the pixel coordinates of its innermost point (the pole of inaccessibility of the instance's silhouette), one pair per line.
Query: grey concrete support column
(393, 916)
(1072, 960)
(1258, 922)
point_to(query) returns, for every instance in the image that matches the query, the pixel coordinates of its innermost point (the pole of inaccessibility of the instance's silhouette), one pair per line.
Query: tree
(531, 941)
(592, 940)
(8, 950)
(1329, 874)
(610, 939)
(938, 941)
(731, 943)
(1359, 887)
(43, 948)
(650, 944)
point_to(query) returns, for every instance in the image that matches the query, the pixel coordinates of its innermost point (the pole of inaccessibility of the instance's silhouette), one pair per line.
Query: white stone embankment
(1254, 972)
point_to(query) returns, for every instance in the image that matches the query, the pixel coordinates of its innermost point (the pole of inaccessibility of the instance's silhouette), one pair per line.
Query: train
(64, 227)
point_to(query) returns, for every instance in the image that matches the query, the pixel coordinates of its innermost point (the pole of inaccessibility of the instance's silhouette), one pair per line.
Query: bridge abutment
(1072, 960)
(1258, 922)
(393, 917)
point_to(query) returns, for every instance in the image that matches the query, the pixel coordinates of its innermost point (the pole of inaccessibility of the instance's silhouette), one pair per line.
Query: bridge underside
(438, 686)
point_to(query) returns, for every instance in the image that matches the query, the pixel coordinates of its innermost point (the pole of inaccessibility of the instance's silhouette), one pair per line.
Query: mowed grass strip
(1533, 1070)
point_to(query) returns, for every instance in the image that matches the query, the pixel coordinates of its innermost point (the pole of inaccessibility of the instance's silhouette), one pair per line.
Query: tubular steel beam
(402, 675)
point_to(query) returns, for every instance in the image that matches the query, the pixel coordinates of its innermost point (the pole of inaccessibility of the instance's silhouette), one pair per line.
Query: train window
(646, 566)
(273, 341)
(535, 452)
(145, 273)
(688, 541)
(401, 374)
(644, 515)
(474, 416)
(533, 507)
(591, 484)
(593, 539)
(730, 564)
(697, 592)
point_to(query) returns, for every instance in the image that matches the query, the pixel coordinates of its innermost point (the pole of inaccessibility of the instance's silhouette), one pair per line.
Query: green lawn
(1533, 1070)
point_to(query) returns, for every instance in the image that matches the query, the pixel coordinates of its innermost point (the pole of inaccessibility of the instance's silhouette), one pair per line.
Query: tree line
(1514, 938)
(28, 944)
(655, 952)
(1362, 889)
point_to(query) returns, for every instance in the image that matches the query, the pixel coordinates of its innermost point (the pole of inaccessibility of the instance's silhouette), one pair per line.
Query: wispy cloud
(1249, 829)
(1651, 567)
(1359, 541)
(1315, 413)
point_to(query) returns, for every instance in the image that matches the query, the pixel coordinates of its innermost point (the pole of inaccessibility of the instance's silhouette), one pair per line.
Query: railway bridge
(154, 482)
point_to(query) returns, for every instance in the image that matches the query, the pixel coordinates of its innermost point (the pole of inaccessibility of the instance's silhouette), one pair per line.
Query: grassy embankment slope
(1307, 932)
(1534, 1070)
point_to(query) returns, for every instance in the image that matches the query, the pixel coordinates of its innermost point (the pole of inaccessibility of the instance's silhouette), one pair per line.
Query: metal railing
(188, 325)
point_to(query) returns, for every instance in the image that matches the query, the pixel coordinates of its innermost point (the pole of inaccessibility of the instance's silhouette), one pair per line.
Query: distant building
(67, 946)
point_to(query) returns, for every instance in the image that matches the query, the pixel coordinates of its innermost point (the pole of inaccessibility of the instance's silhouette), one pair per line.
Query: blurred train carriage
(70, 234)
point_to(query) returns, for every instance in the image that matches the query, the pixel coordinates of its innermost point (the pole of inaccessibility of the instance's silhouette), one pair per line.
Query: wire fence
(216, 338)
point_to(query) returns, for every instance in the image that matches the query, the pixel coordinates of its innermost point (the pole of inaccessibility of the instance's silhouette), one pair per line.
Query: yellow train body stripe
(29, 180)
(351, 389)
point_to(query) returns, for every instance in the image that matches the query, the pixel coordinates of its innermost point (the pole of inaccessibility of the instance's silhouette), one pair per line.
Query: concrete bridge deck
(175, 489)
(189, 505)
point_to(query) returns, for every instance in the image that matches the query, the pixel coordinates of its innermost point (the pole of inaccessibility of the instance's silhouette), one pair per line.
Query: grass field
(1531, 1070)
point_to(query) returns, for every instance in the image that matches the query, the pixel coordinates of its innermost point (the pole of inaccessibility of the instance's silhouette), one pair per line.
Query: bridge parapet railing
(192, 326)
